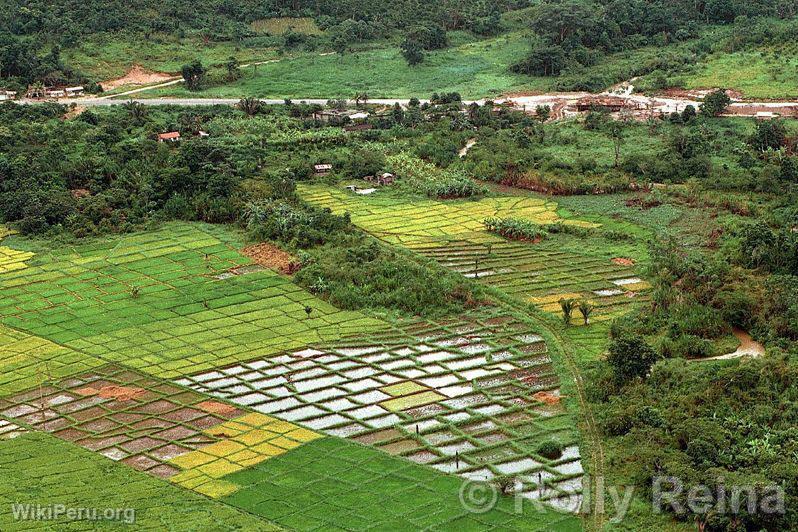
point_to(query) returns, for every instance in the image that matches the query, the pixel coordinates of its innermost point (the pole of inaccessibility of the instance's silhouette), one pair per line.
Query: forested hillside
(583, 42)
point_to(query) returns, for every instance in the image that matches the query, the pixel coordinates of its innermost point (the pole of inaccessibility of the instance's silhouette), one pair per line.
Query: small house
(322, 169)
(359, 116)
(7, 95)
(172, 136)
(766, 115)
(72, 92)
(203, 134)
(54, 93)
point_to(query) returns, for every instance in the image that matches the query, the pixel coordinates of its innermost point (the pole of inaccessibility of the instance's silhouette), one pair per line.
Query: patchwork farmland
(172, 355)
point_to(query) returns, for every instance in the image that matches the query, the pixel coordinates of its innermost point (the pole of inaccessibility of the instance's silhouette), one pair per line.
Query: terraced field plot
(163, 302)
(420, 222)
(27, 360)
(155, 427)
(544, 273)
(459, 396)
(453, 234)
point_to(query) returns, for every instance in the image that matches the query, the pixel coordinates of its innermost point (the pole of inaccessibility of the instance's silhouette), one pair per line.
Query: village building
(358, 127)
(612, 104)
(74, 91)
(7, 95)
(322, 169)
(172, 136)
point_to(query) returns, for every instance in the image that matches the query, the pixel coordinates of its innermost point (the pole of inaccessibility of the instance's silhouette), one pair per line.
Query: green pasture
(761, 73)
(105, 57)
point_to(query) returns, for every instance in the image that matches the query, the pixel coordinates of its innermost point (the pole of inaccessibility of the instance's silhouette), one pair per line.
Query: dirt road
(563, 105)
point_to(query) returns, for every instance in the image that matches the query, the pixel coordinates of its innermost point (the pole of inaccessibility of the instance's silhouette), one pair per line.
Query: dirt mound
(120, 393)
(272, 257)
(137, 75)
(622, 261)
(546, 397)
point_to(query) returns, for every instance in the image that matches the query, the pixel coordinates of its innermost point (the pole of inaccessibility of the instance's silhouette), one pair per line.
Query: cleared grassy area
(473, 68)
(765, 73)
(39, 468)
(103, 57)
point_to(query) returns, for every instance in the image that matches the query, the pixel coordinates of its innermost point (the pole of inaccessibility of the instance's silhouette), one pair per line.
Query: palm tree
(249, 106)
(586, 309)
(136, 110)
(36, 89)
(361, 98)
(567, 306)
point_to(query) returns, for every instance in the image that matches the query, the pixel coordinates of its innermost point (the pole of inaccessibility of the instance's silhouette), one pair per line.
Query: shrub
(685, 346)
(298, 226)
(516, 229)
(550, 449)
(630, 358)
(354, 273)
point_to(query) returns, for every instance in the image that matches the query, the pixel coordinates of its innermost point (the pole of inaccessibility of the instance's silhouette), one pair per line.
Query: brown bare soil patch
(546, 397)
(120, 393)
(79, 193)
(137, 75)
(74, 112)
(623, 261)
(215, 407)
(272, 257)
(750, 109)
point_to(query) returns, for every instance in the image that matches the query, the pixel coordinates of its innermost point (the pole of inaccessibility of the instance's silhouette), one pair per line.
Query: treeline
(229, 19)
(97, 174)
